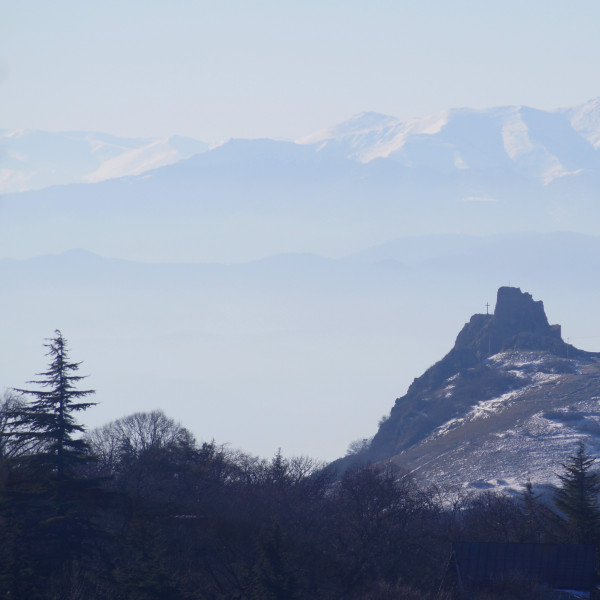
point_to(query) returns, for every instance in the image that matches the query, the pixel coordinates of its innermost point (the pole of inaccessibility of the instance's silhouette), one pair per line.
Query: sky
(214, 70)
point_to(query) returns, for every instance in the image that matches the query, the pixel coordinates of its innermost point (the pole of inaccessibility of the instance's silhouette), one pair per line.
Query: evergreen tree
(273, 573)
(50, 419)
(48, 500)
(577, 497)
(536, 516)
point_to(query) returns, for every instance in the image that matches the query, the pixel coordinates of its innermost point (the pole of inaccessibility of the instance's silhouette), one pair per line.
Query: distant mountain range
(360, 183)
(33, 160)
(505, 406)
(537, 144)
(545, 145)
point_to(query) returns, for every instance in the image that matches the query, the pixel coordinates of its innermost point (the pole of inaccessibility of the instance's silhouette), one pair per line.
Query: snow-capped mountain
(31, 160)
(546, 145)
(506, 405)
(371, 179)
(525, 141)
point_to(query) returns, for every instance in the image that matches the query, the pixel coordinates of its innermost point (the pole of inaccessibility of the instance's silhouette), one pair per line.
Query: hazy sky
(278, 68)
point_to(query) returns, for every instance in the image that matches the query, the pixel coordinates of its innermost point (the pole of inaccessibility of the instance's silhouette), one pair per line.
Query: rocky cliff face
(511, 354)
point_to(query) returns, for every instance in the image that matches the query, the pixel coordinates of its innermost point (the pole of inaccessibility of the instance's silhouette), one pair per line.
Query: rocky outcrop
(519, 323)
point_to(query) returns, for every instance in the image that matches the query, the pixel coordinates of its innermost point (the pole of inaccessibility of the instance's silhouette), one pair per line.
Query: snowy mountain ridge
(370, 135)
(489, 171)
(547, 144)
(33, 160)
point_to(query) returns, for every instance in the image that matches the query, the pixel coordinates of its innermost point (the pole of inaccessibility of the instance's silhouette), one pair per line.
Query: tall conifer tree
(50, 417)
(49, 498)
(577, 497)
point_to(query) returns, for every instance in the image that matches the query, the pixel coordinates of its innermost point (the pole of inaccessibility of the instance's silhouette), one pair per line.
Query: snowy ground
(521, 435)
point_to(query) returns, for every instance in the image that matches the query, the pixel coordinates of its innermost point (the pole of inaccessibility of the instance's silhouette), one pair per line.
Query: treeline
(139, 510)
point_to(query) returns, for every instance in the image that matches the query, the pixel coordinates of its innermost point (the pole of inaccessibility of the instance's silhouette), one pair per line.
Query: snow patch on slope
(515, 136)
(134, 162)
(524, 434)
(585, 119)
(534, 368)
(369, 135)
(33, 160)
(522, 149)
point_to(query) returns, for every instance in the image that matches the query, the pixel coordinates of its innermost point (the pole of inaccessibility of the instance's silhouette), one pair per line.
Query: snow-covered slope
(585, 119)
(370, 135)
(545, 145)
(523, 434)
(31, 160)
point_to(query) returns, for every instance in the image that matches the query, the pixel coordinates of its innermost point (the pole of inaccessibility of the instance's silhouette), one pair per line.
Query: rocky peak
(517, 311)
(518, 323)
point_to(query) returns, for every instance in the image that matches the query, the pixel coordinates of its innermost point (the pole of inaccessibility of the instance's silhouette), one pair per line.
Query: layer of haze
(295, 352)
(215, 70)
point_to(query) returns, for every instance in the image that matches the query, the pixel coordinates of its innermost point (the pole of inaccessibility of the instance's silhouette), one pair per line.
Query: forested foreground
(139, 510)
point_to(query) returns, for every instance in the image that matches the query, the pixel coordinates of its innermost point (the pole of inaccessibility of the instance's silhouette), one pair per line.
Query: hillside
(503, 406)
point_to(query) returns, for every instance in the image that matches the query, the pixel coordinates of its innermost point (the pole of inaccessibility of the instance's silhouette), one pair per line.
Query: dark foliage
(50, 416)
(577, 497)
(48, 504)
(139, 510)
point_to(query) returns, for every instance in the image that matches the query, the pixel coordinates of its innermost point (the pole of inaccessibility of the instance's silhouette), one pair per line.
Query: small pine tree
(577, 497)
(535, 515)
